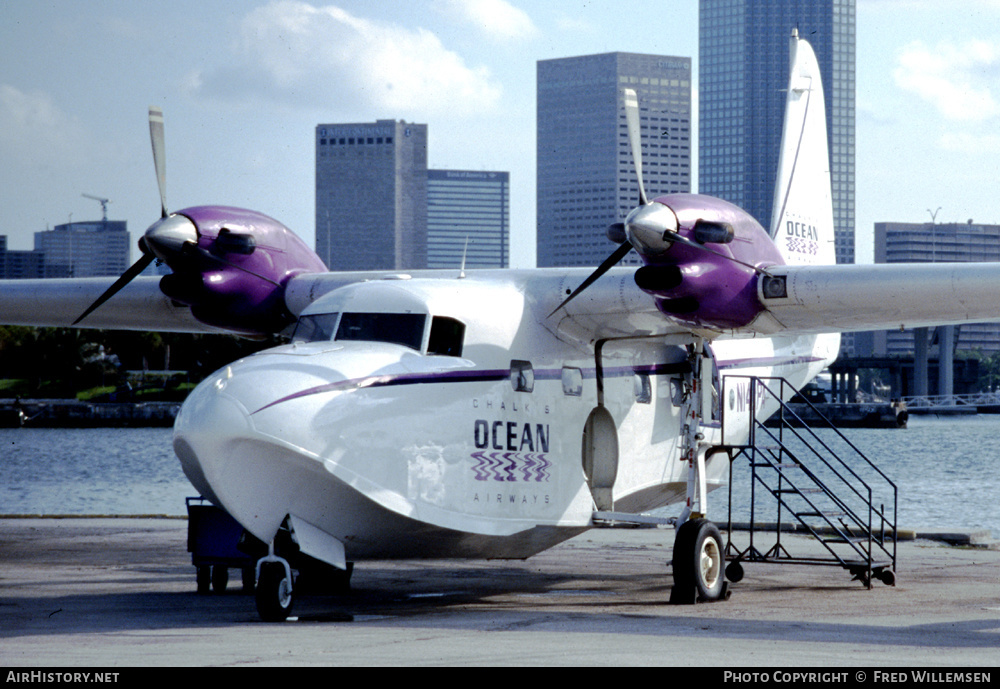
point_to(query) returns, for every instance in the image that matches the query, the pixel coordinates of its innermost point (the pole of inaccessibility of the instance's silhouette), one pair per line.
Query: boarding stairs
(807, 480)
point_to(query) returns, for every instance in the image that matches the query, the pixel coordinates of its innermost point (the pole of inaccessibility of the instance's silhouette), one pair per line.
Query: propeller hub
(647, 226)
(167, 237)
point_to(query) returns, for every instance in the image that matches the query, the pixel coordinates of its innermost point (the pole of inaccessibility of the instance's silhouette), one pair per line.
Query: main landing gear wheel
(698, 563)
(274, 592)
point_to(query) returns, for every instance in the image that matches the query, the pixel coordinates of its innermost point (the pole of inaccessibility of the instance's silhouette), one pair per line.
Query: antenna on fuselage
(465, 251)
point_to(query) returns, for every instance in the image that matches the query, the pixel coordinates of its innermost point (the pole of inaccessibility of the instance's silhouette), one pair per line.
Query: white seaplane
(492, 414)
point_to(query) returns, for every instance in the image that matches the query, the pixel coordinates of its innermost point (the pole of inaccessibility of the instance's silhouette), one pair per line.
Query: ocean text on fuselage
(511, 436)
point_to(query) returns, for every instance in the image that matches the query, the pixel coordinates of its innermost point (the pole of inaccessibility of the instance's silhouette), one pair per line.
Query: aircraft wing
(58, 302)
(843, 298)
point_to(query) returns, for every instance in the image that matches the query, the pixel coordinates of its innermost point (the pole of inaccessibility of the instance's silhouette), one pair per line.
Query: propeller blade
(156, 136)
(635, 138)
(125, 278)
(608, 264)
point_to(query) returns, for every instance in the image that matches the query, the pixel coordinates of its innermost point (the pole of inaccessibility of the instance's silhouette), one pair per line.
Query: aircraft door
(600, 456)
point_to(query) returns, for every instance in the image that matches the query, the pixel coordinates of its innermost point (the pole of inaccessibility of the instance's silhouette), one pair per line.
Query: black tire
(220, 578)
(274, 593)
(203, 575)
(247, 575)
(698, 562)
(734, 572)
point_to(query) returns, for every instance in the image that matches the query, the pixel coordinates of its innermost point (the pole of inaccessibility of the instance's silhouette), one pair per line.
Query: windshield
(316, 328)
(405, 329)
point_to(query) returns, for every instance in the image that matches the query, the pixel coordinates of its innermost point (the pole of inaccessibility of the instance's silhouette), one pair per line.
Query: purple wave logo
(802, 246)
(511, 466)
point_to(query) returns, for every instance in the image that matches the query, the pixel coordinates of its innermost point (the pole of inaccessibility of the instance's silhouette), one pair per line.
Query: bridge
(975, 403)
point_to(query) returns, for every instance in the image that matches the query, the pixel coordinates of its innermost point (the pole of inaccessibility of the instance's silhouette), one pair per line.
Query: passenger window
(405, 329)
(447, 336)
(316, 328)
(522, 376)
(572, 381)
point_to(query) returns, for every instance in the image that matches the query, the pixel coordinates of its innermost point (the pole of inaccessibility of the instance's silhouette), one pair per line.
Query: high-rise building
(742, 87)
(371, 195)
(468, 215)
(586, 180)
(85, 249)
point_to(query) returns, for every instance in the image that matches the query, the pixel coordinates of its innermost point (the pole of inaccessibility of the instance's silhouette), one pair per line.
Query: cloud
(576, 25)
(498, 20)
(34, 131)
(971, 144)
(294, 52)
(957, 80)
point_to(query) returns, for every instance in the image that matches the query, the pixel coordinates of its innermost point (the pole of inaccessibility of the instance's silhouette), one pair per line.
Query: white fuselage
(399, 453)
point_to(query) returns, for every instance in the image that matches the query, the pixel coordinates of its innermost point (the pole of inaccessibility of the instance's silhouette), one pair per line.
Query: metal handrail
(865, 492)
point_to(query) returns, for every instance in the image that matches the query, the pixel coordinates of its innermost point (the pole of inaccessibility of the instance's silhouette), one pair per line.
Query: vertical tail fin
(802, 224)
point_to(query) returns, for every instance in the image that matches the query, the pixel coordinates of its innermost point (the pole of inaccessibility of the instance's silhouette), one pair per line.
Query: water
(945, 468)
(91, 471)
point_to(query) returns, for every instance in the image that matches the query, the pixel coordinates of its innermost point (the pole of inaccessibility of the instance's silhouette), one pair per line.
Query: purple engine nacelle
(715, 287)
(233, 274)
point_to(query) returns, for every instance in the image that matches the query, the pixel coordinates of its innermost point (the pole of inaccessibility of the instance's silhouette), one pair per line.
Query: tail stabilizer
(802, 223)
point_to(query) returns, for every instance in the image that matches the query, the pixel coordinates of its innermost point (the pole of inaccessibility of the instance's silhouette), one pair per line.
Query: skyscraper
(743, 81)
(468, 215)
(371, 195)
(585, 177)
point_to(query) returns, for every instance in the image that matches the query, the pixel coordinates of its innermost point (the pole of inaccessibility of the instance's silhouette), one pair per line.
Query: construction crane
(104, 204)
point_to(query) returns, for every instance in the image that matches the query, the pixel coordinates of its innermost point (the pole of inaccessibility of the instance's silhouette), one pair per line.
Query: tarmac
(108, 593)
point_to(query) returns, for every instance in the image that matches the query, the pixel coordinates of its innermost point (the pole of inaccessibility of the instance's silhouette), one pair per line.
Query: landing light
(774, 287)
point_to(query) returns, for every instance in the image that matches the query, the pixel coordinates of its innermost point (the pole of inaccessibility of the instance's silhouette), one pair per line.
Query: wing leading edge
(844, 298)
(59, 302)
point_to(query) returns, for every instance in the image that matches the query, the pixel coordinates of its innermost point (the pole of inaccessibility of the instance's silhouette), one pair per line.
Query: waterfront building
(85, 249)
(19, 265)
(586, 180)
(964, 242)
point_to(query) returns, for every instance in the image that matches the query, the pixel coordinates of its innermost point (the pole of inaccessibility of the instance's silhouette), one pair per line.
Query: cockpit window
(447, 336)
(316, 328)
(405, 329)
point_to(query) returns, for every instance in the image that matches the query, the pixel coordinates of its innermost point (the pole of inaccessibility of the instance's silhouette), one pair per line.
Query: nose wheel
(698, 563)
(274, 590)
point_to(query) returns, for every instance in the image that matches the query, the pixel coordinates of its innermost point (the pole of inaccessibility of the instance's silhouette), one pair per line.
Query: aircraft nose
(167, 236)
(206, 427)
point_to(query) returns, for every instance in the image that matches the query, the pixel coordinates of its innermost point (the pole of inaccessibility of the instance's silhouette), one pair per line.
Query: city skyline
(240, 112)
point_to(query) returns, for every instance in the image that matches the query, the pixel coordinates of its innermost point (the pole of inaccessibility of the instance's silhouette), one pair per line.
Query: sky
(244, 84)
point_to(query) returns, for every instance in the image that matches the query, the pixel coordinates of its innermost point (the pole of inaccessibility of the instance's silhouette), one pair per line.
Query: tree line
(62, 362)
